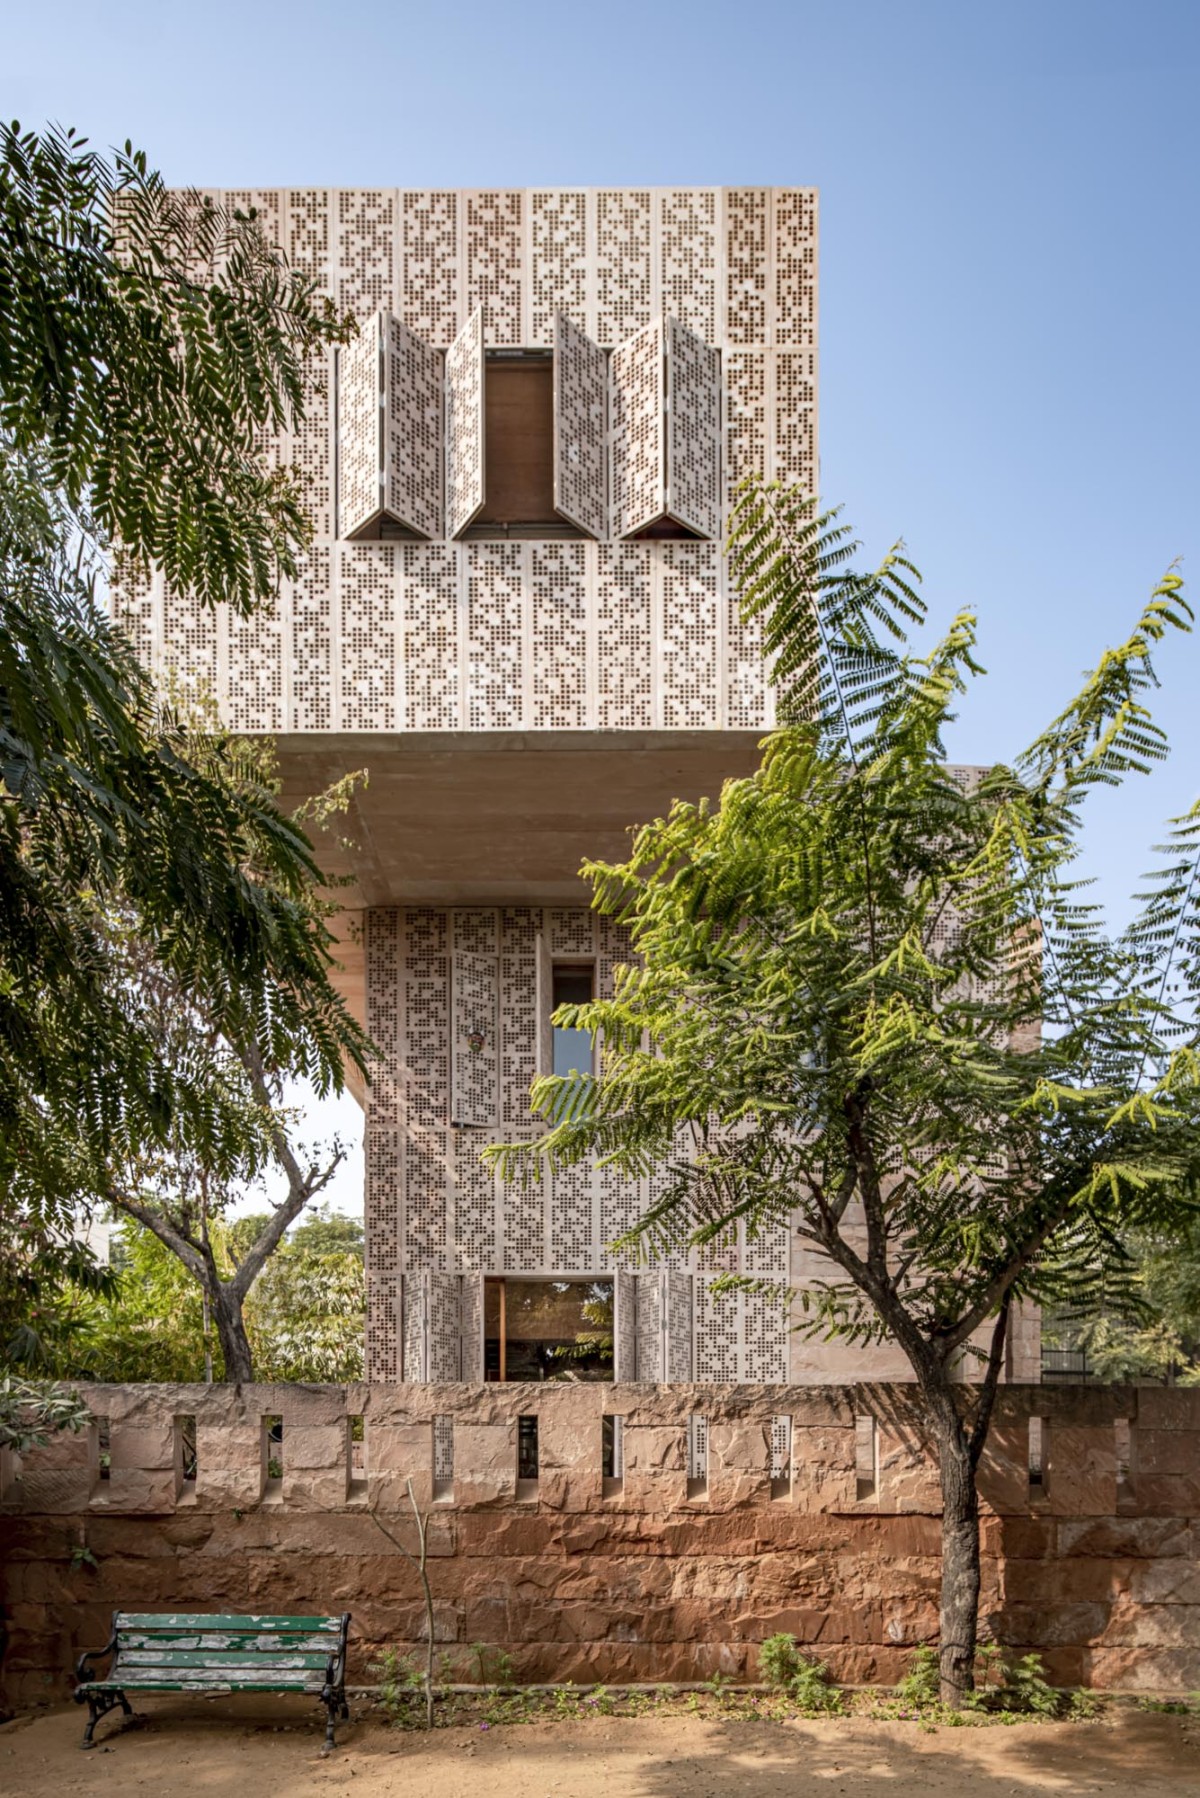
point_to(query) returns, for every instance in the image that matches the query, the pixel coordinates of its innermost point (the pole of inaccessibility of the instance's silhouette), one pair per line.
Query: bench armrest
(335, 1670)
(82, 1671)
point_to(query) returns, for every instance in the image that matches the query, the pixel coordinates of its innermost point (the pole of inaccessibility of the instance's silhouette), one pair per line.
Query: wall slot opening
(697, 1457)
(186, 1458)
(272, 1435)
(1123, 1433)
(103, 1448)
(443, 1457)
(781, 1457)
(356, 1456)
(612, 1454)
(1037, 1455)
(866, 1458)
(527, 1457)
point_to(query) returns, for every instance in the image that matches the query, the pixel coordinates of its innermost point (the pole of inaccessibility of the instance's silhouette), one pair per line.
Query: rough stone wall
(655, 1576)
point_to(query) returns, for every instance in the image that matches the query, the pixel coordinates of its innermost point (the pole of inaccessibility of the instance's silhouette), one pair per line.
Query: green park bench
(177, 1651)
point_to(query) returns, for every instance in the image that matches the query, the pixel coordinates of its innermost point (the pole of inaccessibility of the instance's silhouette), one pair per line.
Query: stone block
(1080, 1469)
(1168, 1408)
(569, 1455)
(144, 1445)
(823, 1476)
(396, 1453)
(53, 1490)
(134, 1489)
(485, 1463)
(1004, 1466)
(655, 1466)
(739, 1463)
(1124, 1538)
(309, 1446)
(1143, 1669)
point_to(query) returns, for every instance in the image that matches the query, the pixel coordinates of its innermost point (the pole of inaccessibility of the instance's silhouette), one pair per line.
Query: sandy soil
(218, 1747)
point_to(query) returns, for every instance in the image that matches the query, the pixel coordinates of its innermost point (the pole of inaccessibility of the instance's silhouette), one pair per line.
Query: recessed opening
(612, 1454)
(518, 457)
(443, 1458)
(554, 1330)
(697, 1457)
(666, 530)
(103, 1448)
(1037, 1455)
(527, 1457)
(186, 1458)
(356, 1455)
(272, 1427)
(866, 1457)
(781, 1457)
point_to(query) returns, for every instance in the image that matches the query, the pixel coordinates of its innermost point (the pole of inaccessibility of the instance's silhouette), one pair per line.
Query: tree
(147, 342)
(871, 1001)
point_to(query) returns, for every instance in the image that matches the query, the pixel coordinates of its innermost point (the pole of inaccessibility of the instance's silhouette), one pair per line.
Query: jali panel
(558, 275)
(636, 472)
(688, 257)
(464, 426)
(444, 1327)
(747, 232)
(580, 405)
(495, 636)
(429, 612)
(382, 1359)
(359, 472)
(796, 419)
(795, 267)
(191, 632)
(624, 686)
(717, 1334)
(255, 700)
(571, 1244)
(495, 263)
(415, 384)
(688, 573)
(366, 239)
(650, 1326)
(135, 604)
(693, 431)
(413, 1301)
(625, 1327)
(310, 235)
(426, 1012)
(474, 1205)
(558, 576)
(571, 930)
(765, 1338)
(677, 1324)
(311, 645)
(430, 293)
(475, 1046)
(624, 286)
(518, 1010)
(384, 1152)
(745, 417)
(367, 584)
(311, 445)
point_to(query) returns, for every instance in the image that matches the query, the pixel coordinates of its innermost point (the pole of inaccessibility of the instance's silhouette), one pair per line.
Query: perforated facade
(678, 327)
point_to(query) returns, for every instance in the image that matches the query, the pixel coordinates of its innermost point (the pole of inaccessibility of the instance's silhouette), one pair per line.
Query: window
(572, 1048)
(552, 1330)
(518, 435)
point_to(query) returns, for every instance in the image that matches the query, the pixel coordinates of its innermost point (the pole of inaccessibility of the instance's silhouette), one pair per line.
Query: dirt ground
(219, 1746)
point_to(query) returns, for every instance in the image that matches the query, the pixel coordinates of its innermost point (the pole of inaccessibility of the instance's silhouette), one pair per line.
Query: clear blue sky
(1010, 250)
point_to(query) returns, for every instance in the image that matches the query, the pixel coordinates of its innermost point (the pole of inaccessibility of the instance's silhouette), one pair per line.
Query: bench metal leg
(331, 1711)
(99, 1704)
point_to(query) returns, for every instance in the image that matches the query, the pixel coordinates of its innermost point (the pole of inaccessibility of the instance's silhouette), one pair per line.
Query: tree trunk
(959, 1614)
(231, 1333)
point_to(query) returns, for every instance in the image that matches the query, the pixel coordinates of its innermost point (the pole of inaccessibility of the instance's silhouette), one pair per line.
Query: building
(516, 615)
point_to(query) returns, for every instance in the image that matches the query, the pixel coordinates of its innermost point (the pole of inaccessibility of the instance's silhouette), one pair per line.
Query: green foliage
(401, 1682)
(32, 1411)
(1083, 1705)
(785, 1667)
(1027, 1690)
(146, 343)
(920, 1686)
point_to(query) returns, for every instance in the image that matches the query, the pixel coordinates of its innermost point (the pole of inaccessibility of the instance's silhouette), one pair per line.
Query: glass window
(572, 1048)
(556, 1330)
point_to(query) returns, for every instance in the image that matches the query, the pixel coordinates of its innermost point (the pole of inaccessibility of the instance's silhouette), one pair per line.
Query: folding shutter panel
(472, 1327)
(412, 433)
(650, 1290)
(693, 431)
(580, 398)
(544, 994)
(637, 474)
(464, 426)
(474, 1082)
(414, 1298)
(625, 1325)
(444, 1326)
(360, 467)
(678, 1326)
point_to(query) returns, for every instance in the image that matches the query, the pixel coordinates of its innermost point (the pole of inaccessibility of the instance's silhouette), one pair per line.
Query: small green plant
(779, 1660)
(399, 1682)
(814, 1692)
(919, 1689)
(565, 1700)
(82, 1556)
(1083, 1705)
(1026, 1688)
(601, 1701)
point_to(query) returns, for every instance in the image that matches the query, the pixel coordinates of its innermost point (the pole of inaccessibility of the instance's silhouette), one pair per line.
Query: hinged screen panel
(580, 401)
(693, 431)
(471, 1358)
(544, 995)
(444, 1329)
(636, 459)
(475, 1067)
(413, 389)
(464, 426)
(625, 1326)
(360, 399)
(677, 1325)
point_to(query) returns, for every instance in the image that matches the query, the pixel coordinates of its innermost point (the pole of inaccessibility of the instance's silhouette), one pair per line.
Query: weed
(919, 1689)
(399, 1682)
(779, 1660)
(1083, 1705)
(1027, 1689)
(565, 1700)
(82, 1556)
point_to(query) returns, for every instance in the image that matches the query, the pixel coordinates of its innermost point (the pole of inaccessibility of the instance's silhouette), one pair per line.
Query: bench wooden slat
(180, 1681)
(231, 1624)
(167, 1657)
(208, 1640)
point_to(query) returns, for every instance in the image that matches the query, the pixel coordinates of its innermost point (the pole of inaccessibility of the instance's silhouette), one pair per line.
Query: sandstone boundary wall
(701, 1538)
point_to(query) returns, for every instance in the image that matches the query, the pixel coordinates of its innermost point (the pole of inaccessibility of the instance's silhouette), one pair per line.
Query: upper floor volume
(519, 472)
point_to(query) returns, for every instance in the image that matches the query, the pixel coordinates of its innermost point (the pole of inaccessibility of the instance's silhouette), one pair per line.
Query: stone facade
(673, 1566)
